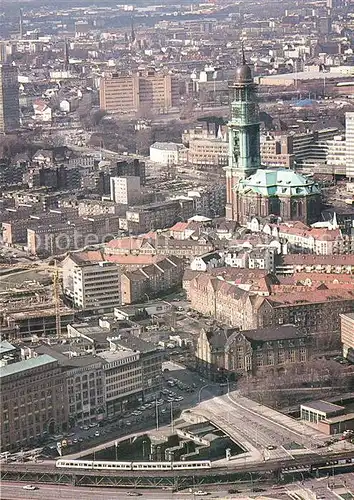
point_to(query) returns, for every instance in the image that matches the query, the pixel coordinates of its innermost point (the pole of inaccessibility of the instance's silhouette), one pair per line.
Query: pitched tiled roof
(133, 260)
(320, 234)
(316, 260)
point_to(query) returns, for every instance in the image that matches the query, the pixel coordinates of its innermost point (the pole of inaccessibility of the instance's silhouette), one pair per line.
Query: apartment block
(133, 168)
(32, 401)
(149, 281)
(9, 98)
(60, 238)
(275, 152)
(307, 263)
(146, 91)
(158, 215)
(259, 304)
(135, 248)
(349, 138)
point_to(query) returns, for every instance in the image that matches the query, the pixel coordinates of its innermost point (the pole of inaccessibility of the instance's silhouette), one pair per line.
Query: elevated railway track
(233, 471)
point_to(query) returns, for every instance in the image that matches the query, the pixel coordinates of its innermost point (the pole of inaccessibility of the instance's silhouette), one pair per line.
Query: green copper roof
(280, 182)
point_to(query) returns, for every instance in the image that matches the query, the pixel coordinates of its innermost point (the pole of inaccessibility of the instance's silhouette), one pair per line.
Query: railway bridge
(268, 471)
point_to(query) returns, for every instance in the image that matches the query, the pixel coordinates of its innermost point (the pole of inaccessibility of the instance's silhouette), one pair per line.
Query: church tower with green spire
(244, 136)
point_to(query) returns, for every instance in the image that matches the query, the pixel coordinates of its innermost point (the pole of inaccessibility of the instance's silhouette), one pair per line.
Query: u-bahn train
(320, 467)
(103, 465)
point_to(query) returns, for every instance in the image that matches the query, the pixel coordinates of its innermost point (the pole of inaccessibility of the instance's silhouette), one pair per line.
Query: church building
(253, 191)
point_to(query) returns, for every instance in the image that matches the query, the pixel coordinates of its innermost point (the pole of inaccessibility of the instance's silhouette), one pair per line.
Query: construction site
(30, 302)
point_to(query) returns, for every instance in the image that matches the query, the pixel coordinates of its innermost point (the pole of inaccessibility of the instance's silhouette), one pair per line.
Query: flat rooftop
(27, 364)
(322, 406)
(111, 356)
(340, 418)
(61, 353)
(134, 343)
(38, 313)
(6, 347)
(307, 75)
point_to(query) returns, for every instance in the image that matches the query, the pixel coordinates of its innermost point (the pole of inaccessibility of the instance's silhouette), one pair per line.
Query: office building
(131, 368)
(90, 282)
(125, 190)
(336, 153)
(9, 99)
(32, 401)
(209, 152)
(144, 91)
(84, 382)
(349, 138)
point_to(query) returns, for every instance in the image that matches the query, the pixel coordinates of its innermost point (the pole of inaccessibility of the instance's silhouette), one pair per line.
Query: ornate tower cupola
(244, 134)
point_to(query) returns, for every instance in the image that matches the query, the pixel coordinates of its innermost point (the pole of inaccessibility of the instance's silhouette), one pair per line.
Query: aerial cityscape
(177, 249)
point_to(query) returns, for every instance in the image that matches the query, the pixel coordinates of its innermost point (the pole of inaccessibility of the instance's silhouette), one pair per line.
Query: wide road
(15, 491)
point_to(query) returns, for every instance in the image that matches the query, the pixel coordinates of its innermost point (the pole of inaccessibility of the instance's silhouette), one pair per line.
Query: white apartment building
(321, 241)
(125, 190)
(349, 137)
(336, 153)
(91, 285)
(168, 153)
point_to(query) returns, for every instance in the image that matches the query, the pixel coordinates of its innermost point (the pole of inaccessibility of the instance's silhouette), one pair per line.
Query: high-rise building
(21, 24)
(349, 139)
(143, 91)
(125, 190)
(9, 98)
(92, 285)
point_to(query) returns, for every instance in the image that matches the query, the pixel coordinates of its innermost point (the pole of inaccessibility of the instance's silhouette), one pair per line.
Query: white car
(201, 493)
(29, 487)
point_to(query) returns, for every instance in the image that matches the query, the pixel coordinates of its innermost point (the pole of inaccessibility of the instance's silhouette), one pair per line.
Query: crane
(56, 295)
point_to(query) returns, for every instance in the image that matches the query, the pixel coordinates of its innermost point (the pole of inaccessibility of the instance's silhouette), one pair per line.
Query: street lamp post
(200, 391)
(157, 414)
(171, 407)
(144, 442)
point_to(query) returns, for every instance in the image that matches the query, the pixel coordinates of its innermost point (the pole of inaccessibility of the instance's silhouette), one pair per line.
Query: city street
(15, 491)
(323, 488)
